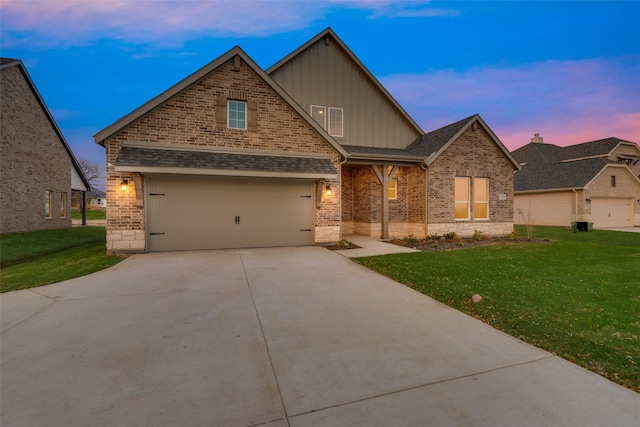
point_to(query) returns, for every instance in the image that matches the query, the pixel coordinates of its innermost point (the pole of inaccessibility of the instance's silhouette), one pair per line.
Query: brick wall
(190, 118)
(473, 154)
(626, 187)
(32, 160)
(362, 203)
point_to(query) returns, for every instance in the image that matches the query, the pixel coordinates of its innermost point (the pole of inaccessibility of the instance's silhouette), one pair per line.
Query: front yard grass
(49, 256)
(577, 296)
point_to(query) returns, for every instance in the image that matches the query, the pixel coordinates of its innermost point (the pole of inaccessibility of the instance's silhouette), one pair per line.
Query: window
(481, 198)
(462, 198)
(319, 114)
(613, 180)
(335, 121)
(47, 204)
(63, 205)
(392, 192)
(237, 114)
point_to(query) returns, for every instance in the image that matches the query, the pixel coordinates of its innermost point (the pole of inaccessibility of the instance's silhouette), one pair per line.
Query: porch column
(385, 174)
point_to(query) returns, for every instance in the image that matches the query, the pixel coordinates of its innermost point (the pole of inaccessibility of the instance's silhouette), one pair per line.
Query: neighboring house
(309, 151)
(38, 169)
(597, 181)
(95, 199)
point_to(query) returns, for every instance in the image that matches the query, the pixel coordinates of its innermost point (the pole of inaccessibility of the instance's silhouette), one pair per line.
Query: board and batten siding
(326, 75)
(555, 209)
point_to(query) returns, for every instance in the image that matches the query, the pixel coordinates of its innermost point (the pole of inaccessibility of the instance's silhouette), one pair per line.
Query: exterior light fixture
(124, 185)
(588, 201)
(327, 189)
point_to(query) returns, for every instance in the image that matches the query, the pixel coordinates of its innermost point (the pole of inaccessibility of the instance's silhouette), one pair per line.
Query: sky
(568, 70)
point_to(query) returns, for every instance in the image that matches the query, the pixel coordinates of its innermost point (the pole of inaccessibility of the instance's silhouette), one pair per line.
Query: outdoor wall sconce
(124, 185)
(638, 201)
(327, 189)
(588, 201)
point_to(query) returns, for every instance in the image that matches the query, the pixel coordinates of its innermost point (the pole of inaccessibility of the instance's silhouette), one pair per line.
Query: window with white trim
(236, 114)
(462, 198)
(481, 198)
(319, 114)
(392, 192)
(334, 123)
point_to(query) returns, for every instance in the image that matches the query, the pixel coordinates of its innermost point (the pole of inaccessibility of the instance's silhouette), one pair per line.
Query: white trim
(324, 115)
(224, 172)
(246, 112)
(341, 134)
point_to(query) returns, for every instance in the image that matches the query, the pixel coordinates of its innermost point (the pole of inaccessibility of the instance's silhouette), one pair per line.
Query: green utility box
(582, 226)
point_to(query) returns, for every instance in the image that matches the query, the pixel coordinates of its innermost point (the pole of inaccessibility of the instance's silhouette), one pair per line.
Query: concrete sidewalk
(370, 246)
(275, 337)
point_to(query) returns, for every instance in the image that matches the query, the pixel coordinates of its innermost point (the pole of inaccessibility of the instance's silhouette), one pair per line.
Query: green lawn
(577, 296)
(43, 257)
(90, 215)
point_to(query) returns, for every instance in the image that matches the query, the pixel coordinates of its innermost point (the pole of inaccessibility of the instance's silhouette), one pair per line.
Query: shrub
(411, 240)
(450, 236)
(477, 236)
(435, 237)
(513, 235)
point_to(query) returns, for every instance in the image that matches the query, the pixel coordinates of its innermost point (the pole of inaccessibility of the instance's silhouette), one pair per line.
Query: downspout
(575, 198)
(425, 167)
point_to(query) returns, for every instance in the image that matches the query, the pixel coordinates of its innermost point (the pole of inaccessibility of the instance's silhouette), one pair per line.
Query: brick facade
(627, 187)
(473, 154)
(32, 160)
(190, 118)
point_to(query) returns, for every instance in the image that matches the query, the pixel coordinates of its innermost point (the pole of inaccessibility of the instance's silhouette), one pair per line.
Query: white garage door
(544, 209)
(195, 212)
(609, 212)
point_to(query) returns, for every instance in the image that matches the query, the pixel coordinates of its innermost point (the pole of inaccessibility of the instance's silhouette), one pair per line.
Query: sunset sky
(567, 70)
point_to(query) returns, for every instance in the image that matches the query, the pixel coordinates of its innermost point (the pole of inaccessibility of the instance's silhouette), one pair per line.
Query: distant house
(306, 152)
(597, 181)
(97, 199)
(39, 171)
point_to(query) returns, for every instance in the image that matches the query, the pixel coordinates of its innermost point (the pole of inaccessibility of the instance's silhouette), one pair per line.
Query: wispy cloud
(559, 99)
(78, 22)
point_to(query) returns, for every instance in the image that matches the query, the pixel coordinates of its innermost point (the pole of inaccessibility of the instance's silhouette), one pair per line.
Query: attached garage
(607, 212)
(554, 208)
(208, 212)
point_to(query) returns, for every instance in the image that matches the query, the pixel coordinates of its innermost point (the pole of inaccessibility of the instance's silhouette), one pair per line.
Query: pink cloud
(565, 101)
(78, 22)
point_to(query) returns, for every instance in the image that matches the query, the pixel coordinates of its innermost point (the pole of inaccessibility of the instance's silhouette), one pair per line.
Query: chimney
(537, 138)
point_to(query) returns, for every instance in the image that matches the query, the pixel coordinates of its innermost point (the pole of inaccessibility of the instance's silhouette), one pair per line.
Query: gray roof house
(596, 181)
(305, 152)
(39, 170)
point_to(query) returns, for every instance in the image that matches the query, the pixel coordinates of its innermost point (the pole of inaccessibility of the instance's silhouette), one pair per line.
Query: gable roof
(550, 167)
(10, 62)
(431, 145)
(203, 72)
(328, 32)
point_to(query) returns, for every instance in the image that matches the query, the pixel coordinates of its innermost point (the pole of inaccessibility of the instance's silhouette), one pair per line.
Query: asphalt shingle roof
(548, 166)
(433, 141)
(149, 157)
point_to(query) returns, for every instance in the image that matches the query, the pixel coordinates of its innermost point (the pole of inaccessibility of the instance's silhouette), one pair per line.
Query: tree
(94, 172)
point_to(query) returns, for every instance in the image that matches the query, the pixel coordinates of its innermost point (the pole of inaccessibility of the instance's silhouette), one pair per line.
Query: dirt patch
(437, 244)
(342, 246)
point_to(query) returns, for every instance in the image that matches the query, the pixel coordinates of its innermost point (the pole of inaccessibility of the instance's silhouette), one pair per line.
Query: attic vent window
(613, 180)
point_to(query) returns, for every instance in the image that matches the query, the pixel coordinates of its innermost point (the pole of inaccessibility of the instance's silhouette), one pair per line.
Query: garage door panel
(200, 212)
(609, 212)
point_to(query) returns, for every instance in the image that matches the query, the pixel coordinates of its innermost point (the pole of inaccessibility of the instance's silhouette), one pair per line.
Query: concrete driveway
(275, 337)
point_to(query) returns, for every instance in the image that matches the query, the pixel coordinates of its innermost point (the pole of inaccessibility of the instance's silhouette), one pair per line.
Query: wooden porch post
(384, 175)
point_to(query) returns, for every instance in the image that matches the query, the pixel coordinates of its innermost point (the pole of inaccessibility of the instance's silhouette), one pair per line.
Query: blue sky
(568, 70)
